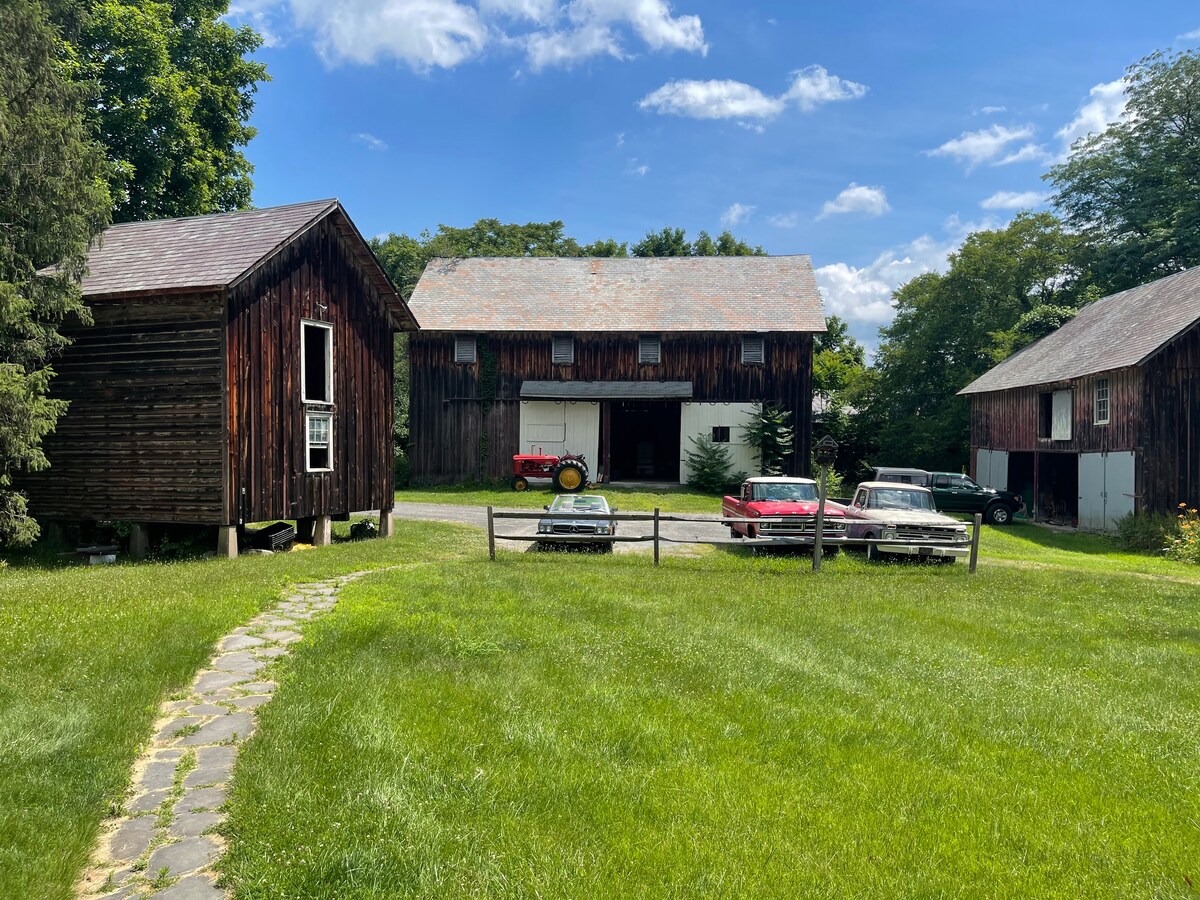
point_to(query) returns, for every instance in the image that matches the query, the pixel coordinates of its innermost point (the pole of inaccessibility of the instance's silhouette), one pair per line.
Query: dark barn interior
(645, 441)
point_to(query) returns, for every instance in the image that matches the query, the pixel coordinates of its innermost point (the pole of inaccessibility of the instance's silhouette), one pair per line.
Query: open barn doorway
(644, 439)
(1058, 488)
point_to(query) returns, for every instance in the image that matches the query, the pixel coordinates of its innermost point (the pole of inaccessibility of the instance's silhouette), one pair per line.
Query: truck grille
(574, 529)
(802, 526)
(946, 533)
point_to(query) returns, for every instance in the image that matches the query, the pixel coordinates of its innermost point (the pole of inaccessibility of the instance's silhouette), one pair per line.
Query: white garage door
(1106, 489)
(562, 426)
(991, 469)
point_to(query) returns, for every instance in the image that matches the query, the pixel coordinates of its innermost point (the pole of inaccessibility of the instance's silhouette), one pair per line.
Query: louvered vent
(563, 353)
(752, 351)
(649, 350)
(464, 350)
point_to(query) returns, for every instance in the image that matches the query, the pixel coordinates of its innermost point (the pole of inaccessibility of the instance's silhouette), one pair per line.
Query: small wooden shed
(239, 369)
(1102, 417)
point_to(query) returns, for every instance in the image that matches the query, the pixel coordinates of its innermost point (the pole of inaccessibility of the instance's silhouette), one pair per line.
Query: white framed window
(316, 362)
(649, 350)
(464, 350)
(753, 350)
(318, 449)
(562, 352)
(1101, 402)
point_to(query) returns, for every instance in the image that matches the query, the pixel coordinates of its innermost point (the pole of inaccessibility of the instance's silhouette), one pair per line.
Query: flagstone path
(163, 844)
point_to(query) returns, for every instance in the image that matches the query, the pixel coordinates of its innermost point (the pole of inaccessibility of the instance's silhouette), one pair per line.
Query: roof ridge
(226, 213)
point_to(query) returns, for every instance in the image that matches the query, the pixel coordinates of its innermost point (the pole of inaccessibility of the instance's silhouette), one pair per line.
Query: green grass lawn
(580, 726)
(541, 493)
(86, 655)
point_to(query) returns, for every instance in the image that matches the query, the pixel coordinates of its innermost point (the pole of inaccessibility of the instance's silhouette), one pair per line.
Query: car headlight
(888, 533)
(544, 528)
(603, 529)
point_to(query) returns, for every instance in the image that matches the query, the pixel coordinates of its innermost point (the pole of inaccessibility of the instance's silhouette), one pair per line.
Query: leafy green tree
(606, 248)
(711, 466)
(172, 92)
(674, 242)
(53, 202)
(770, 434)
(944, 335)
(1133, 190)
(839, 380)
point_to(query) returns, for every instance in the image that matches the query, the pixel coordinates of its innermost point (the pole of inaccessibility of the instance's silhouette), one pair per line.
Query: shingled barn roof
(216, 251)
(1117, 331)
(709, 293)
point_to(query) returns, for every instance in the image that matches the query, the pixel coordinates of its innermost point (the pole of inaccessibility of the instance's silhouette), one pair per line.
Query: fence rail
(657, 517)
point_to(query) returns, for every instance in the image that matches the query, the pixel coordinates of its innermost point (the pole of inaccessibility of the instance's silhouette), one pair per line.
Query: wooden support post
(491, 535)
(227, 542)
(322, 531)
(139, 541)
(975, 542)
(656, 535)
(819, 525)
(386, 527)
(304, 530)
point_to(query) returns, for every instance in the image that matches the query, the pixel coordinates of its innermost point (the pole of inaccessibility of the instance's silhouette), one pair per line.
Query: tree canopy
(1133, 190)
(53, 201)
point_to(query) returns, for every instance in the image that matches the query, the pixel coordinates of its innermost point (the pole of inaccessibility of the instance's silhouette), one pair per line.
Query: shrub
(363, 529)
(1145, 533)
(770, 433)
(401, 471)
(1184, 543)
(711, 466)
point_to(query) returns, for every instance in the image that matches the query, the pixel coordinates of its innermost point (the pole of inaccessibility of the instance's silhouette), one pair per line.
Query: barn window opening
(753, 352)
(649, 350)
(464, 350)
(316, 362)
(1101, 404)
(720, 434)
(320, 442)
(563, 351)
(1045, 415)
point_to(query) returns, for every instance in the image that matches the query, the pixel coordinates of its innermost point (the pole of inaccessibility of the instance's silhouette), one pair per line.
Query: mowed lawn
(573, 725)
(540, 493)
(86, 656)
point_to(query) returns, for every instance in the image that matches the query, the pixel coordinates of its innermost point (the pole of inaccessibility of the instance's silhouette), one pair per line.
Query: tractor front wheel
(520, 484)
(570, 476)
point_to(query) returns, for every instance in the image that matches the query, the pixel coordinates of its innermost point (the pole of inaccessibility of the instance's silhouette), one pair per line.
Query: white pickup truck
(904, 515)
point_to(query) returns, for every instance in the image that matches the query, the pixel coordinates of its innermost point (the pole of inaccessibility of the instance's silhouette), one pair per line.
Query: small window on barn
(1101, 404)
(464, 350)
(720, 434)
(319, 444)
(1045, 415)
(316, 362)
(563, 351)
(649, 350)
(753, 353)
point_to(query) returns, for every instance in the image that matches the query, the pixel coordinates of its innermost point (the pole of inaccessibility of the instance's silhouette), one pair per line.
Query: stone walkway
(163, 844)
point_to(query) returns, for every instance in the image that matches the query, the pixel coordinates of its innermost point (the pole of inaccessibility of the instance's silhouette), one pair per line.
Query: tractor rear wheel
(520, 483)
(570, 476)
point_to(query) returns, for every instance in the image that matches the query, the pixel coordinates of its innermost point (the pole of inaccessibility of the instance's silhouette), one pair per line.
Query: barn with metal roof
(1102, 417)
(238, 369)
(621, 360)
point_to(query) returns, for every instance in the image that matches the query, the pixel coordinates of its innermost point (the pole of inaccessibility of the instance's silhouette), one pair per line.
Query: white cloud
(589, 30)
(1014, 200)
(636, 168)
(736, 214)
(1190, 36)
(712, 100)
(263, 16)
(539, 11)
(813, 86)
(858, 198)
(784, 220)
(566, 48)
(422, 33)
(992, 110)
(620, 139)
(865, 294)
(990, 145)
(370, 141)
(726, 99)
(1105, 104)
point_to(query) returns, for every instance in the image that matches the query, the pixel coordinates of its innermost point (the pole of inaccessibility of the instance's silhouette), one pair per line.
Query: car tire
(998, 514)
(830, 552)
(570, 477)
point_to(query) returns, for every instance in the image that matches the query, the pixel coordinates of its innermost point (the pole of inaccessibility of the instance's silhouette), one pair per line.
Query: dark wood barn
(1102, 417)
(239, 369)
(620, 360)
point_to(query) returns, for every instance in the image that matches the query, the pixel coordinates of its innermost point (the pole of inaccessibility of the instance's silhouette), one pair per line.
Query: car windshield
(584, 504)
(785, 491)
(897, 498)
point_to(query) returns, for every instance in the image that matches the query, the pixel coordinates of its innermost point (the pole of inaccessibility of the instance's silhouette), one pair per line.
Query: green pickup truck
(957, 493)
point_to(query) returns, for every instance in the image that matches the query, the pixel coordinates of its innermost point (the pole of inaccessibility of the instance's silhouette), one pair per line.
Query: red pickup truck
(790, 507)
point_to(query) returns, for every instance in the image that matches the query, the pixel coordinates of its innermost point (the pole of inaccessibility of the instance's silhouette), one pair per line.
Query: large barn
(620, 360)
(1101, 417)
(239, 369)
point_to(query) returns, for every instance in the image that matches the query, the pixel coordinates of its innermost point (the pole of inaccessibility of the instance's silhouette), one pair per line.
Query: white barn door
(1091, 491)
(562, 426)
(991, 469)
(1106, 489)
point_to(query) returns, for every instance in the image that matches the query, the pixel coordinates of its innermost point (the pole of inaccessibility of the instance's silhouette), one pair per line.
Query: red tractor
(568, 472)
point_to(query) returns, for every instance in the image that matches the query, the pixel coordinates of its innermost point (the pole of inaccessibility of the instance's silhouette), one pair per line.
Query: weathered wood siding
(454, 439)
(1008, 420)
(314, 278)
(143, 438)
(1171, 470)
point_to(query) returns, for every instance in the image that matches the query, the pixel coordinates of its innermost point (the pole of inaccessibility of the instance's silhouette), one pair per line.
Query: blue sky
(872, 136)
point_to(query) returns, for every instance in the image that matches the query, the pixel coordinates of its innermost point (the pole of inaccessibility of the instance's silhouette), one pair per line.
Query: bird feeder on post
(825, 454)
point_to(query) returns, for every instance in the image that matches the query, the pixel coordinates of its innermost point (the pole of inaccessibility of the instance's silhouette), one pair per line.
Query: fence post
(819, 525)
(491, 535)
(975, 542)
(656, 535)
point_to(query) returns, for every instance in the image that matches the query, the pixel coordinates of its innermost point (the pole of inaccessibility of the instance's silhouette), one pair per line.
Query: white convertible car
(905, 517)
